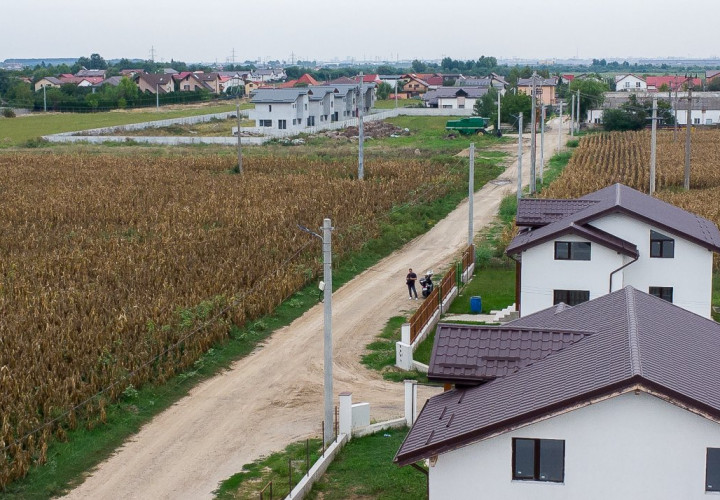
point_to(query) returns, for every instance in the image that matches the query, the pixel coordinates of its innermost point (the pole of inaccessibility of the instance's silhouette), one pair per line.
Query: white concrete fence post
(405, 333)
(345, 414)
(410, 402)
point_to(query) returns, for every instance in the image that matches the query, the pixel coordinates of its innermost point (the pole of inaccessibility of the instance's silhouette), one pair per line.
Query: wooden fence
(433, 302)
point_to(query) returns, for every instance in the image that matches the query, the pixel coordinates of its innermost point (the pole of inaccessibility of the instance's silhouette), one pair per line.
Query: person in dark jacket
(410, 281)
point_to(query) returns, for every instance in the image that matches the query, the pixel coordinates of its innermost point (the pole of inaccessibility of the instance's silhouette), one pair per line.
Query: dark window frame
(537, 460)
(716, 463)
(661, 246)
(572, 250)
(662, 292)
(565, 296)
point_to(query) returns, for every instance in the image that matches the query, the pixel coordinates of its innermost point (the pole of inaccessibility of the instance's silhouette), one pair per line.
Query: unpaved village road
(273, 397)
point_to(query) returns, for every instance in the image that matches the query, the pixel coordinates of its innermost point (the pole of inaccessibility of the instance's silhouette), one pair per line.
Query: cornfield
(107, 263)
(604, 159)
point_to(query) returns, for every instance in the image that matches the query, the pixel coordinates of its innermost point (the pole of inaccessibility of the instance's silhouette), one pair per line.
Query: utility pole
(44, 99)
(675, 127)
(327, 330)
(686, 183)
(653, 145)
(577, 115)
(471, 193)
(560, 128)
(152, 53)
(239, 168)
(572, 117)
(361, 132)
(396, 93)
(533, 130)
(498, 121)
(157, 96)
(542, 143)
(520, 151)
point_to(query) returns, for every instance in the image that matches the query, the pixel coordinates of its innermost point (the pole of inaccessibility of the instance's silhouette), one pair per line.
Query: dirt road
(274, 396)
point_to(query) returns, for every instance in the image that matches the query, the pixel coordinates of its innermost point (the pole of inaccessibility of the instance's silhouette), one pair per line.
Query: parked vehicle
(427, 284)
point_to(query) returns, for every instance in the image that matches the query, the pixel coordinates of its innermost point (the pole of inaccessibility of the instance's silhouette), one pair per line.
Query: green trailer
(468, 126)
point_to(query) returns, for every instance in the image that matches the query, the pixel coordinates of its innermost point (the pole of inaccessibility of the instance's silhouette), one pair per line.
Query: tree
(19, 94)
(383, 90)
(486, 106)
(419, 66)
(714, 84)
(592, 93)
(512, 105)
(630, 116)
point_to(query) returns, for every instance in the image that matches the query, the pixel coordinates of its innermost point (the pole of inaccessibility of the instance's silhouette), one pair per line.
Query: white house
(630, 83)
(615, 398)
(268, 75)
(322, 105)
(282, 109)
(576, 250)
(453, 97)
(345, 105)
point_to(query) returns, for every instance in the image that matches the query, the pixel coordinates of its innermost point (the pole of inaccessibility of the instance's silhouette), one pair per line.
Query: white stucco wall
(629, 84)
(689, 272)
(634, 446)
(541, 273)
(282, 111)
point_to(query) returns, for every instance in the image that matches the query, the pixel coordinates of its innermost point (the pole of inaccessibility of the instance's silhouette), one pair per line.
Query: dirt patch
(371, 130)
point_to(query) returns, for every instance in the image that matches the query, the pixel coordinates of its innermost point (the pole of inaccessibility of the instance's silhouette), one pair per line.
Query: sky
(370, 30)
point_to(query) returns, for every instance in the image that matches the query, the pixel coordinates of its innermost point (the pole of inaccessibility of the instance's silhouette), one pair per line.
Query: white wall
(282, 111)
(689, 272)
(629, 447)
(541, 273)
(630, 84)
(453, 103)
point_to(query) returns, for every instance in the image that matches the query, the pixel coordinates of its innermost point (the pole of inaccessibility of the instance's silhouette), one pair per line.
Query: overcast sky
(209, 30)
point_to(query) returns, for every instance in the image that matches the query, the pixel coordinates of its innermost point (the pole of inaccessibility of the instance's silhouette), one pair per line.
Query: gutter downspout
(518, 282)
(427, 475)
(620, 269)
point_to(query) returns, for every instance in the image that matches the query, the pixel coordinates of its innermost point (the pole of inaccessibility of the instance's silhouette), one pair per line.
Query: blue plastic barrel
(476, 305)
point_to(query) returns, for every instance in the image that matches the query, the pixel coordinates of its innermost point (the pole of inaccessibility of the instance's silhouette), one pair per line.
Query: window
(282, 124)
(661, 246)
(538, 459)
(712, 470)
(572, 250)
(637, 84)
(570, 297)
(662, 292)
(269, 107)
(266, 123)
(449, 106)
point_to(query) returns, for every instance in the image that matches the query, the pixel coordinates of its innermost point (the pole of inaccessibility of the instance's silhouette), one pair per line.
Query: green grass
(253, 477)
(380, 354)
(16, 131)
(401, 103)
(364, 469)
(496, 286)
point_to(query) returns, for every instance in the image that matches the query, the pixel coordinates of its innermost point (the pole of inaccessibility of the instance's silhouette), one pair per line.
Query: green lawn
(380, 354)
(496, 287)
(364, 469)
(401, 103)
(15, 131)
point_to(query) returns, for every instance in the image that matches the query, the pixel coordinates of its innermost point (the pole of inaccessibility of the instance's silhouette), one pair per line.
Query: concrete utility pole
(361, 132)
(572, 117)
(44, 99)
(396, 93)
(653, 145)
(157, 96)
(686, 183)
(542, 143)
(471, 193)
(327, 330)
(520, 151)
(675, 127)
(560, 128)
(533, 138)
(498, 123)
(239, 168)
(577, 115)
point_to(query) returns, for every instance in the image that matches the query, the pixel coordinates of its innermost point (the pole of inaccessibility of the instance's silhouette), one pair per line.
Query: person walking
(410, 281)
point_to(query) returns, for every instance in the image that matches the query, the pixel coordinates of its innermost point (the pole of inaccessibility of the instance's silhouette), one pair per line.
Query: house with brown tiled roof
(48, 81)
(187, 81)
(618, 397)
(575, 250)
(415, 86)
(154, 83)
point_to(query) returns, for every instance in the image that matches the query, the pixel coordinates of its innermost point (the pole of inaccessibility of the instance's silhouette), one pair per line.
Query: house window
(269, 107)
(637, 84)
(282, 124)
(570, 297)
(662, 292)
(266, 123)
(661, 246)
(447, 106)
(696, 121)
(538, 460)
(712, 470)
(572, 250)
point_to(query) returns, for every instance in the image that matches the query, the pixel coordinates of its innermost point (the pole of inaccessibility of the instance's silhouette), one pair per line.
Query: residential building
(304, 81)
(268, 75)
(92, 73)
(283, 109)
(494, 81)
(154, 83)
(575, 250)
(544, 89)
(710, 75)
(48, 81)
(453, 97)
(660, 83)
(414, 86)
(705, 105)
(210, 80)
(618, 397)
(630, 83)
(345, 96)
(187, 81)
(321, 107)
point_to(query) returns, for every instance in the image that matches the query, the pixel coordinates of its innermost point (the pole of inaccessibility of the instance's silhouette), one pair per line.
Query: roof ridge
(635, 364)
